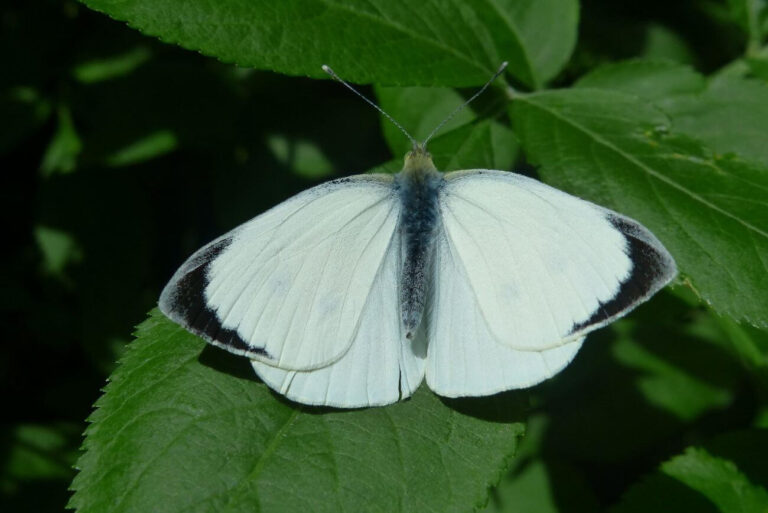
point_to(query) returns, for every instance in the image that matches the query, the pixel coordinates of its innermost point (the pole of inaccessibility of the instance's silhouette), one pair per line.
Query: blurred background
(120, 155)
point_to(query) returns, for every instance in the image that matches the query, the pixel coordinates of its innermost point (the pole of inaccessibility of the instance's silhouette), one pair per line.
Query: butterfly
(353, 292)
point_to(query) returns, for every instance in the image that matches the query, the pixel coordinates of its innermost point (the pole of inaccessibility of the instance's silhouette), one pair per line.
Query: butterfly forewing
(288, 287)
(545, 267)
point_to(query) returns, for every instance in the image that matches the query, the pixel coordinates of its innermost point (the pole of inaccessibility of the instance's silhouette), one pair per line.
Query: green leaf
(58, 248)
(39, 452)
(753, 66)
(547, 29)
(37, 465)
(729, 116)
(471, 140)
(539, 486)
(726, 476)
(650, 79)
(748, 14)
(711, 213)
(114, 66)
(639, 383)
(304, 158)
(399, 43)
(483, 145)
(660, 42)
(186, 427)
(61, 154)
(751, 346)
(152, 145)
(419, 110)
(726, 113)
(665, 382)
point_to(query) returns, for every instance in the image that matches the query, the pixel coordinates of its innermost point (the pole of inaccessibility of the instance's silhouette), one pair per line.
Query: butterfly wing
(288, 287)
(464, 357)
(380, 367)
(544, 267)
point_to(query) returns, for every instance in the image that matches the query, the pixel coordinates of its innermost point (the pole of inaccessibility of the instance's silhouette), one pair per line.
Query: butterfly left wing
(288, 287)
(544, 267)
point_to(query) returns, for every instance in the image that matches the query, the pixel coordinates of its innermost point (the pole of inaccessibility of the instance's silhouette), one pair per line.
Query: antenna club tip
(504, 64)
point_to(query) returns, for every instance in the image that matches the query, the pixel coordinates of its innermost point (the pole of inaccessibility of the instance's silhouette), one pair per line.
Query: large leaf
(727, 475)
(185, 427)
(711, 213)
(651, 79)
(726, 113)
(730, 115)
(448, 42)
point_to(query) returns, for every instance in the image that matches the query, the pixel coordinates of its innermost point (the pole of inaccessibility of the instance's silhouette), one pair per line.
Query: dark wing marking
(652, 269)
(185, 303)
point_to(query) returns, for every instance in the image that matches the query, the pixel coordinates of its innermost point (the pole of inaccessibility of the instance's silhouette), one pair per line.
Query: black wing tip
(652, 269)
(183, 301)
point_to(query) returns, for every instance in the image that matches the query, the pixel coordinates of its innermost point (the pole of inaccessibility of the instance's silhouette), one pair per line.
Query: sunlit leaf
(185, 427)
(61, 154)
(114, 66)
(58, 249)
(725, 476)
(150, 146)
(389, 42)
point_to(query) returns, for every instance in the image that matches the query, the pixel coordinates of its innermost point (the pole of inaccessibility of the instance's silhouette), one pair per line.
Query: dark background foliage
(120, 155)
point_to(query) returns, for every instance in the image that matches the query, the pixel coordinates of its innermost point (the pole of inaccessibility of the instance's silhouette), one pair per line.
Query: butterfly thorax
(418, 186)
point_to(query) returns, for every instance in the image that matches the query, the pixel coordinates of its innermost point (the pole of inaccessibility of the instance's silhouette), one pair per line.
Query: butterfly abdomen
(418, 190)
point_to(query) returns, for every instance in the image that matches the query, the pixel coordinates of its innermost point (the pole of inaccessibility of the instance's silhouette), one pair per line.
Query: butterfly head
(418, 160)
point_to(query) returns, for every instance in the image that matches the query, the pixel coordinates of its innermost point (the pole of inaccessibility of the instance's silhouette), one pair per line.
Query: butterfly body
(417, 187)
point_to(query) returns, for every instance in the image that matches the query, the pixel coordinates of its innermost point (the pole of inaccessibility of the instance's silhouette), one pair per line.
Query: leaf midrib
(262, 460)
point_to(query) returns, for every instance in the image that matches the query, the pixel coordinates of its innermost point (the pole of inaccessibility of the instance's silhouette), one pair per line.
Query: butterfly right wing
(464, 358)
(288, 287)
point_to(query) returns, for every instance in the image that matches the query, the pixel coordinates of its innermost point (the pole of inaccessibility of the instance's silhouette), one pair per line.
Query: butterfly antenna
(460, 107)
(333, 74)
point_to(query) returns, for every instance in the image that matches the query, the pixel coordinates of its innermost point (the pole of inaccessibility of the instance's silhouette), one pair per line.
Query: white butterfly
(352, 292)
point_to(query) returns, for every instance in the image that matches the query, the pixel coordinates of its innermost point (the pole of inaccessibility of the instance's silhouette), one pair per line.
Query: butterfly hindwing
(381, 366)
(464, 358)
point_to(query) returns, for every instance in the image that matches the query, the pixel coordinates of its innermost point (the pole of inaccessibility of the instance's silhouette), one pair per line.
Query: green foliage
(427, 43)
(253, 451)
(621, 152)
(725, 475)
(125, 153)
(470, 140)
